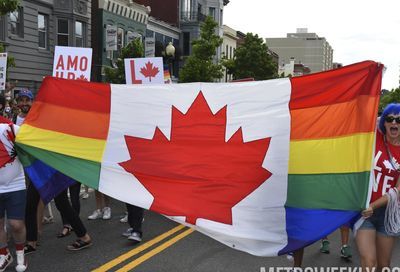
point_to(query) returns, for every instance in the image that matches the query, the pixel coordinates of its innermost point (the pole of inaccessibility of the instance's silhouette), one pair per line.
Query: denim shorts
(377, 222)
(13, 204)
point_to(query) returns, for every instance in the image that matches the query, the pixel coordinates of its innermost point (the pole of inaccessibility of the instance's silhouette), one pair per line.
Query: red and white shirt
(386, 175)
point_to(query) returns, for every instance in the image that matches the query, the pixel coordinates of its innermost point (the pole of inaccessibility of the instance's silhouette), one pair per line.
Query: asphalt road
(166, 247)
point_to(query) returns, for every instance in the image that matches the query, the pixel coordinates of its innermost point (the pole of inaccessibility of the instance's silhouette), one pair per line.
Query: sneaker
(345, 252)
(127, 233)
(324, 247)
(124, 219)
(21, 261)
(5, 260)
(106, 213)
(95, 215)
(135, 236)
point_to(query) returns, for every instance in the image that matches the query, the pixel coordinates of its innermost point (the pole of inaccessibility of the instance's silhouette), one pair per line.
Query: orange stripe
(355, 116)
(70, 121)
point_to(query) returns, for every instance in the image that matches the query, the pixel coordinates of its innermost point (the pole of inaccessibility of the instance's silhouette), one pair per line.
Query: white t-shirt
(11, 174)
(19, 120)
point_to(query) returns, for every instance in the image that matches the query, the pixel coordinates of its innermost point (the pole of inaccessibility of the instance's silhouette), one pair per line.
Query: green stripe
(328, 191)
(84, 171)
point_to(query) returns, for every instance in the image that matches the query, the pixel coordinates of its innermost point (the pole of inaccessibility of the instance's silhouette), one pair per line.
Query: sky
(357, 30)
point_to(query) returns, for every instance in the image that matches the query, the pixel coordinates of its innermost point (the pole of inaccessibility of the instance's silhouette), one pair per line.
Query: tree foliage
(252, 60)
(200, 66)
(7, 6)
(388, 97)
(132, 50)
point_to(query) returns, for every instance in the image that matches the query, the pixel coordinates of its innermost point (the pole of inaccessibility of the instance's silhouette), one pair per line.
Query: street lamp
(170, 52)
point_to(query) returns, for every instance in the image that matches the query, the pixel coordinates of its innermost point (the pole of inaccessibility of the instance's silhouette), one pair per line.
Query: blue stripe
(306, 226)
(48, 181)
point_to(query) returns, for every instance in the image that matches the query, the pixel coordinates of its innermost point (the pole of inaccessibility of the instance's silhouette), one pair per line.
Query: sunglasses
(390, 119)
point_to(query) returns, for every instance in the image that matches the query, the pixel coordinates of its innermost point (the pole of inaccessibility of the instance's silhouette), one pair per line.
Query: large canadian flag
(240, 162)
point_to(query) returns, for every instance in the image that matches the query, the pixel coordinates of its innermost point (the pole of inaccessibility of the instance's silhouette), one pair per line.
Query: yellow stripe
(155, 251)
(137, 250)
(78, 147)
(335, 155)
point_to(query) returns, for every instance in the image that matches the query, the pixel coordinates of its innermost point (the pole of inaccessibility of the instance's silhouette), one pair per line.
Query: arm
(381, 202)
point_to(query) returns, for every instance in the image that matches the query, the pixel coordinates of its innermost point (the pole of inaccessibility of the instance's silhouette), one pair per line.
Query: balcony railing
(190, 16)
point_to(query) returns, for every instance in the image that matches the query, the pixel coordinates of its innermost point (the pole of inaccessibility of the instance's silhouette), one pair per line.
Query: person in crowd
(345, 249)
(24, 103)
(135, 220)
(103, 209)
(3, 119)
(374, 243)
(12, 200)
(65, 208)
(74, 191)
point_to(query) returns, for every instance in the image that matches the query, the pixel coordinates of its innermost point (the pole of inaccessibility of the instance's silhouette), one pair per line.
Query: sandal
(65, 232)
(79, 244)
(28, 249)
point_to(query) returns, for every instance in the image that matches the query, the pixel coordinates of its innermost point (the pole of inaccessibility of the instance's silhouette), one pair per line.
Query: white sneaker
(21, 261)
(96, 215)
(5, 260)
(127, 233)
(106, 213)
(124, 219)
(135, 236)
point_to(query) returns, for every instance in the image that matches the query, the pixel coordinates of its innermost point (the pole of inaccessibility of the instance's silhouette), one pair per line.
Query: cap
(26, 93)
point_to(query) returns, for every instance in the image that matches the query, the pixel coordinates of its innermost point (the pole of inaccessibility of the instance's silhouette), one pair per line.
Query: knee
(17, 225)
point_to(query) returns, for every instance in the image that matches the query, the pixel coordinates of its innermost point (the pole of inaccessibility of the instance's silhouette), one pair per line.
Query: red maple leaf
(82, 77)
(149, 71)
(196, 173)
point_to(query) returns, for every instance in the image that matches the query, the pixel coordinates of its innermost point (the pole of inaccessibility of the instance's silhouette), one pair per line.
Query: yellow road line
(137, 250)
(155, 251)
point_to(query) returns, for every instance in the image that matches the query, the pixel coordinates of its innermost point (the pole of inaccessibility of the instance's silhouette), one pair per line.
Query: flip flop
(64, 233)
(79, 244)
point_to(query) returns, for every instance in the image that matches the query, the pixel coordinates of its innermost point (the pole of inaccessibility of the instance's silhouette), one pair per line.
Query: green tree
(132, 50)
(200, 65)
(7, 6)
(251, 59)
(388, 97)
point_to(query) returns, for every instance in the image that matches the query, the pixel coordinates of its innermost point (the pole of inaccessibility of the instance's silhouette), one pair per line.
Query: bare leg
(298, 257)
(365, 240)
(344, 233)
(384, 246)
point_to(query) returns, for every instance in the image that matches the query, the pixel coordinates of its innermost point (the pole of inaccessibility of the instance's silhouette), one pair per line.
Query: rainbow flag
(265, 167)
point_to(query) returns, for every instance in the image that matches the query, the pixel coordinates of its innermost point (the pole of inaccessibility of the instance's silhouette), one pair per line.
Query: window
(2, 29)
(120, 39)
(62, 32)
(79, 34)
(186, 43)
(16, 22)
(110, 54)
(42, 29)
(211, 12)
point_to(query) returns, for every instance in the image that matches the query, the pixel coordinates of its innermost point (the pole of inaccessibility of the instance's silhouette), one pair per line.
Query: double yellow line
(143, 247)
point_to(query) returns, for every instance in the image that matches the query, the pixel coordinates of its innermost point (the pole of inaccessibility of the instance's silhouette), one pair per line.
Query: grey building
(306, 48)
(193, 13)
(31, 32)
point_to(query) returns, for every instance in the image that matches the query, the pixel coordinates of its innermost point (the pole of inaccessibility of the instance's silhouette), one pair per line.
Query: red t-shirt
(385, 174)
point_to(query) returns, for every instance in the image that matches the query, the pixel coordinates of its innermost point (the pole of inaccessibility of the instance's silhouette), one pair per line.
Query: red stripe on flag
(336, 86)
(94, 97)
